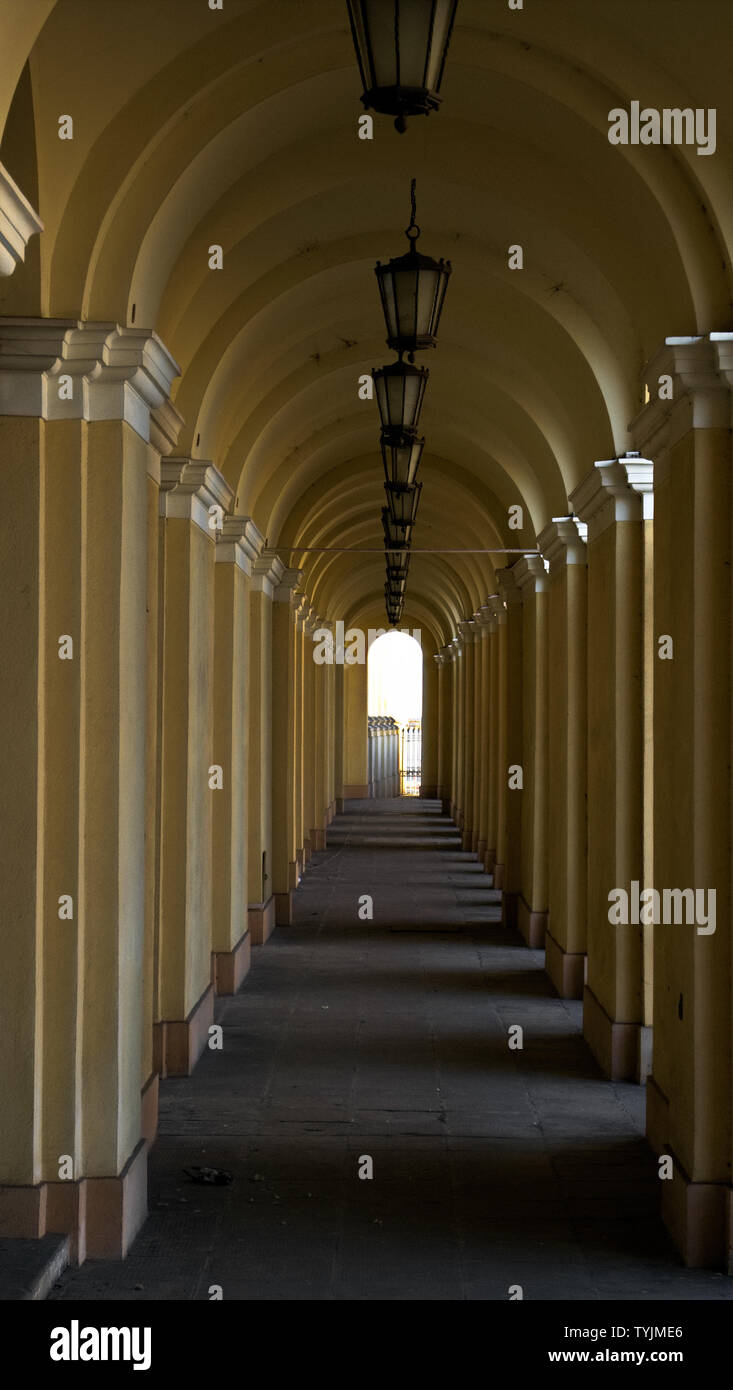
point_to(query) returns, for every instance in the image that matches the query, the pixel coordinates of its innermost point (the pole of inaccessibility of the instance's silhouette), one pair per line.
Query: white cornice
(563, 542)
(285, 591)
(531, 575)
(267, 571)
(18, 223)
(189, 487)
(239, 542)
(116, 374)
(615, 490)
(508, 586)
(701, 369)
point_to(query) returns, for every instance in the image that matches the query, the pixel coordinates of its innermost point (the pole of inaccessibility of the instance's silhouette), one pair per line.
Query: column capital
(189, 487)
(701, 369)
(619, 489)
(18, 223)
(562, 542)
(267, 572)
(497, 607)
(508, 585)
(484, 620)
(115, 373)
(531, 574)
(468, 631)
(286, 590)
(239, 542)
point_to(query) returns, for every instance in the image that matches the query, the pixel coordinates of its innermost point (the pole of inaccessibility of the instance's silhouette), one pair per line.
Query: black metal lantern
(403, 503)
(400, 390)
(401, 48)
(412, 289)
(401, 460)
(396, 537)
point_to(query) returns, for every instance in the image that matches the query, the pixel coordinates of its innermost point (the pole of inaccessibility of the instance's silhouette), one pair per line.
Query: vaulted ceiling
(195, 127)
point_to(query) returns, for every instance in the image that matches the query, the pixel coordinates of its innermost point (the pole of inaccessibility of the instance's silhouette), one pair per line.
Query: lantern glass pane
(380, 16)
(441, 31)
(414, 31)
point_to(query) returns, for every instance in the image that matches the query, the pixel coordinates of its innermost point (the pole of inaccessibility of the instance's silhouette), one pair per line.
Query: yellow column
(318, 823)
(493, 743)
(284, 745)
(430, 731)
(479, 785)
(75, 1022)
(301, 609)
(457, 812)
(238, 545)
(267, 572)
(355, 782)
(532, 580)
(610, 501)
(309, 735)
(508, 870)
(501, 698)
(563, 544)
(689, 1094)
(441, 661)
(467, 632)
(482, 747)
(190, 775)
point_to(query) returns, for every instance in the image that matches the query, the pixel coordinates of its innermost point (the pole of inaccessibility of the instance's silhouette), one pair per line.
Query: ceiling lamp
(403, 504)
(396, 538)
(401, 460)
(401, 48)
(400, 390)
(412, 288)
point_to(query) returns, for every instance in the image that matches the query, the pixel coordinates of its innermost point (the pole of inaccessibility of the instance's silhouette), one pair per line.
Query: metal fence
(410, 758)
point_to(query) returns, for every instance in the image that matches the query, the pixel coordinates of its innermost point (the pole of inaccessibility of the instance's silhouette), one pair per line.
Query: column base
(429, 794)
(356, 791)
(300, 862)
(489, 860)
(101, 1216)
(178, 1043)
(318, 840)
(620, 1049)
(532, 925)
(117, 1207)
(284, 909)
(230, 968)
(498, 875)
(149, 1109)
(481, 849)
(467, 841)
(697, 1216)
(262, 923)
(566, 969)
(339, 805)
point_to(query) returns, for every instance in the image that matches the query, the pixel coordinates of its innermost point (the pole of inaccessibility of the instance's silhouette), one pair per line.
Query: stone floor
(388, 1038)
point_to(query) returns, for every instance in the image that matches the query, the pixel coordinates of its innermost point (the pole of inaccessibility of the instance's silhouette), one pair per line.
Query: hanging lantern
(412, 289)
(401, 48)
(401, 460)
(396, 537)
(400, 390)
(403, 503)
(399, 565)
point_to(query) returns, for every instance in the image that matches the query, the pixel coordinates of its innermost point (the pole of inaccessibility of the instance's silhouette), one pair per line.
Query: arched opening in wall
(394, 693)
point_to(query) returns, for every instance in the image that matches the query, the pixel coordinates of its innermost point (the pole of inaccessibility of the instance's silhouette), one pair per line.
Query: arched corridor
(387, 1039)
(226, 939)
